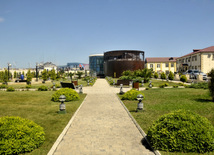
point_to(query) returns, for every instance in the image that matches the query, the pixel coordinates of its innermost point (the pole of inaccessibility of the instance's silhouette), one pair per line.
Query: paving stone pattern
(102, 126)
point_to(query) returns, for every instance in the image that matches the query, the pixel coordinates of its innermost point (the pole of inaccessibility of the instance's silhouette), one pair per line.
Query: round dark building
(115, 62)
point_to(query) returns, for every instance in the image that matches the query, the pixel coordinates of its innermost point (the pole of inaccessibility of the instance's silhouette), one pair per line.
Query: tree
(183, 78)
(211, 84)
(53, 74)
(29, 77)
(71, 75)
(163, 75)
(156, 75)
(171, 76)
(44, 75)
(14, 74)
(146, 74)
(79, 74)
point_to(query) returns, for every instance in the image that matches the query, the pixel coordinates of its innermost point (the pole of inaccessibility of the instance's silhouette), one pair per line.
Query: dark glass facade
(96, 64)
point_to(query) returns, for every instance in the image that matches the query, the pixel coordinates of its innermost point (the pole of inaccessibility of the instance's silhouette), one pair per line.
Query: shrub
(71, 95)
(19, 135)
(43, 88)
(147, 88)
(131, 95)
(182, 131)
(163, 75)
(200, 85)
(156, 75)
(163, 85)
(175, 86)
(211, 84)
(183, 78)
(28, 86)
(3, 86)
(10, 89)
(171, 76)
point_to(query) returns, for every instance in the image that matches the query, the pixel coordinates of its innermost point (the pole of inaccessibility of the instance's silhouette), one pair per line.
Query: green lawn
(161, 101)
(49, 84)
(38, 107)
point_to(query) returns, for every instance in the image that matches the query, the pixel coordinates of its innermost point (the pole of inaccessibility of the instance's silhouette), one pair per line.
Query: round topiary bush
(19, 135)
(182, 131)
(131, 95)
(43, 88)
(10, 89)
(71, 95)
(183, 78)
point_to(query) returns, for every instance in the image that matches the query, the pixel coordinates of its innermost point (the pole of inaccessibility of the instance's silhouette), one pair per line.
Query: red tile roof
(161, 59)
(205, 50)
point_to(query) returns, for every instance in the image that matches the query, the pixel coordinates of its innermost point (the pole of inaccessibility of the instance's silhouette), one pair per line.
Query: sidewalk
(101, 126)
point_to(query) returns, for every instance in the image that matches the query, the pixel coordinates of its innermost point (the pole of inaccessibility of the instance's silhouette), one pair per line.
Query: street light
(121, 89)
(36, 71)
(140, 104)
(150, 84)
(9, 65)
(62, 99)
(80, 89)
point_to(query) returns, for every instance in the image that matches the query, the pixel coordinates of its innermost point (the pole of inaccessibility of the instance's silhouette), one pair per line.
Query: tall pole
(9, 71)
(36, 71)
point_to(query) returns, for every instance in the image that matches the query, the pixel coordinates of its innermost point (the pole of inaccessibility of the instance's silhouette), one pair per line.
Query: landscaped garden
(176, 121)
(158, 102)
(38, 107)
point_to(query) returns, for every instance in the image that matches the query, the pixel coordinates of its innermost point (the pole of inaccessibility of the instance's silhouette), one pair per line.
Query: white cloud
(1, 19)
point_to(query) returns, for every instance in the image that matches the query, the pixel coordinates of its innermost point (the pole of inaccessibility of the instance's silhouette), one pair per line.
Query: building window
(158, 65)
(213, 56)
(196, 58)
(167, 64)
(172, 64)
(195, 67)
(209, 55)
(151, 65)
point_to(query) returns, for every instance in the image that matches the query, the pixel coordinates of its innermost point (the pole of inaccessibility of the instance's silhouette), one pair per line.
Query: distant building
(161, 64)
(96, 64)
(48, 66)
(115, 62)
(199, 59)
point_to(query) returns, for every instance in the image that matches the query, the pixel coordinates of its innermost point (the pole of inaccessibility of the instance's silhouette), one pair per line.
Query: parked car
(193, 74)
(203, 74)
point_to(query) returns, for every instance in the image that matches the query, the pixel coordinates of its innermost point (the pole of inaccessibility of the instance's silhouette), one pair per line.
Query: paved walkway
(102, 126)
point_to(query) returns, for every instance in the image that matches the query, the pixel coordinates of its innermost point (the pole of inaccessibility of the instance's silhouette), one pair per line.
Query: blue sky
(65, 31)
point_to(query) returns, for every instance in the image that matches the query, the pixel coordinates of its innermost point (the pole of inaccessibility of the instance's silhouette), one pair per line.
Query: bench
(124, 82)
(21, 81)
(67, 85)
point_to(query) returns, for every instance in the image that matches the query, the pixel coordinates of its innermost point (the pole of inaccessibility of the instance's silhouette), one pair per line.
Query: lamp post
(9, 65)
(62, 99)
(80, 89)
(150, 84)
(140, 104)
(121, 89)
(36, 71)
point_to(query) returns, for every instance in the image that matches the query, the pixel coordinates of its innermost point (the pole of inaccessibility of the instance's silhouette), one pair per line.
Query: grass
(38, 107)
(161, 101)
(49, 84)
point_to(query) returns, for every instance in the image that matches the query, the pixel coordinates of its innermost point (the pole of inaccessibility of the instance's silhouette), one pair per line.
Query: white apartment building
(200, 59)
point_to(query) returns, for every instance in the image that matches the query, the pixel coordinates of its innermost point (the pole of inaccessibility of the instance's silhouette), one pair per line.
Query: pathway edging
(59, 139)
(138, 127)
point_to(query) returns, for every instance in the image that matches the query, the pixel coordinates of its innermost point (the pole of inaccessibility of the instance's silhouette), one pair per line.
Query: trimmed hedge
(10, 89)
(131, 94)
(19, 135)
(43, 88)
(71, 95)
(182, 131)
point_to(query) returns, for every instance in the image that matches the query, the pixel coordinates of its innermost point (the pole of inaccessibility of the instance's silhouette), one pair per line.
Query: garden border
(138, 126)
(60, 137)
